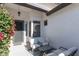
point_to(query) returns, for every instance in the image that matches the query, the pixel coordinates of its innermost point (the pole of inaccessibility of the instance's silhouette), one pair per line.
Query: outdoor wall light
(19, 13)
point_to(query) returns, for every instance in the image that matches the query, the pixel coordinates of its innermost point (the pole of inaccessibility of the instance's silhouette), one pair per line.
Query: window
(19, 25)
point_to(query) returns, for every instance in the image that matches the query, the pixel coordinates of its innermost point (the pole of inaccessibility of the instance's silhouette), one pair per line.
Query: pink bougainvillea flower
(1, 36)
(11, 32)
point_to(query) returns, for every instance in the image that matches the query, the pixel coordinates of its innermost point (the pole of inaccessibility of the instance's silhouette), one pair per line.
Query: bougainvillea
(1, 36)
(6, 31)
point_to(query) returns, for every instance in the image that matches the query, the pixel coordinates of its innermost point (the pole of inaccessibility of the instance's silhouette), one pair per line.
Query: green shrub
(6, 31)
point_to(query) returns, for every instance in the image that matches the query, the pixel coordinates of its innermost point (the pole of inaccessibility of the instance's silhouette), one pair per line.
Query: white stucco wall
(63, 27)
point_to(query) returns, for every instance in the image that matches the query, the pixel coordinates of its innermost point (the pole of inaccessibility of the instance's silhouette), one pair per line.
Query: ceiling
(45, 6)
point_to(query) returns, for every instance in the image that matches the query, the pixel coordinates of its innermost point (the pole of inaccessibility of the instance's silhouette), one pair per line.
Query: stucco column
(24, 40)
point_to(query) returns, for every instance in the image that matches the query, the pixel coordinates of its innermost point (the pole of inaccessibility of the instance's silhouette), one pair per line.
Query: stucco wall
(63, 27)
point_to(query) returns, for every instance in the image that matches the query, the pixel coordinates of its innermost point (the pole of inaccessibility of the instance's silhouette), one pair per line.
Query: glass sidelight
(30, 29)
(26, 28)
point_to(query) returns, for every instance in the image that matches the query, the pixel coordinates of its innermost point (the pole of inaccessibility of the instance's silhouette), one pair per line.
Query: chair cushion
(55, 53)
(44, 43)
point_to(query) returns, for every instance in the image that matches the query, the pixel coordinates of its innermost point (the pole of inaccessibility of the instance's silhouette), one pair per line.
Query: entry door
(19, 34)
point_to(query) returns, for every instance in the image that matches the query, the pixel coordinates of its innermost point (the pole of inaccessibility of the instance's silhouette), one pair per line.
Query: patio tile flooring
(19, 50)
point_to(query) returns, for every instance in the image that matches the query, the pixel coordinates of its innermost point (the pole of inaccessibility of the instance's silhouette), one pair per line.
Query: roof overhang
(57, 8)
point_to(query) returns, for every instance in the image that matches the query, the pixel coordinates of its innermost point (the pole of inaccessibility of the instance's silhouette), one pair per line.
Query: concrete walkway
(19, 50)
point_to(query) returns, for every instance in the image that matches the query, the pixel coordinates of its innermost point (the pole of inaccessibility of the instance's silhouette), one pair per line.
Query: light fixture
(19, 13)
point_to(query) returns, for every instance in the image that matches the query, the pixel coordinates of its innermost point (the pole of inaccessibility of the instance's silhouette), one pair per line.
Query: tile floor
(19, 50)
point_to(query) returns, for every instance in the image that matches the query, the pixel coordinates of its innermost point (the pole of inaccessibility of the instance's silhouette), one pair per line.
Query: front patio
(19, 50)
(38, 34)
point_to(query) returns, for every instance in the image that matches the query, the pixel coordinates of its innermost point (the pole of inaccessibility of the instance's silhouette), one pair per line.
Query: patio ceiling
(48, 8)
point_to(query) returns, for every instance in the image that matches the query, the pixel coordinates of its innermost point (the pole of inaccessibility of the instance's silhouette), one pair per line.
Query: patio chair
(69, 52)
(63, 52)
(34, 43)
